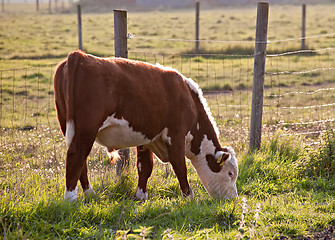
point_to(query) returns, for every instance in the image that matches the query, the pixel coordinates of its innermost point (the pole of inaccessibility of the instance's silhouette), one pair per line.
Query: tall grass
(322, 161)
(278, 197)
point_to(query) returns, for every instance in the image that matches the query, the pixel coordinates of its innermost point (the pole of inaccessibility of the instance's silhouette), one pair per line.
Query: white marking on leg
(69, 134)
(70, 195)
(140, 195)
(89, 191)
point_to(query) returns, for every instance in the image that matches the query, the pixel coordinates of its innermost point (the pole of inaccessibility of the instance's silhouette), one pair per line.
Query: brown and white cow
(121, 103)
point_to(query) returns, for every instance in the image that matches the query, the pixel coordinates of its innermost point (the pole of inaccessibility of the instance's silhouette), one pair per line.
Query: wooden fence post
(120, 33)
(121, 50)
(303, 28)
(37, 5)
(3, 5)
(258, 81)
(197, 12)
(49, 6)
(56, 5)
(80, 39)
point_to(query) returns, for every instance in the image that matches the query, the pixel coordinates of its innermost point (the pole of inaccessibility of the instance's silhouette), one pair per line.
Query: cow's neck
(200, 142)
(203, 138)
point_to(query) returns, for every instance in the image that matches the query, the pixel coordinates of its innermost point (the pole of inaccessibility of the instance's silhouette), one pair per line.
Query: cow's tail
(72, 63)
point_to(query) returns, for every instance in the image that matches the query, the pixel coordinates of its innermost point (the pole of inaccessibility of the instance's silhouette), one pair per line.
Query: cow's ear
(222, 157)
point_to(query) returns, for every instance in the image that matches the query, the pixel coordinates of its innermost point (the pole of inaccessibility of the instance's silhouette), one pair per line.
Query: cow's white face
(223, 183)
(219, 180)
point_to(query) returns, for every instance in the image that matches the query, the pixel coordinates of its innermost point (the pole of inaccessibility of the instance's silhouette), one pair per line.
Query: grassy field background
(286, 188)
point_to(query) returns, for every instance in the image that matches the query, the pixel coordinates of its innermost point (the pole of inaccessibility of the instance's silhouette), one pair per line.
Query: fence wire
(301, 101)
(299, 93)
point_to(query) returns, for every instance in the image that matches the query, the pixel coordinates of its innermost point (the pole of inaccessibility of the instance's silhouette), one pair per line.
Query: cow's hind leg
(144, 167)
(76, 167)
(87, 188)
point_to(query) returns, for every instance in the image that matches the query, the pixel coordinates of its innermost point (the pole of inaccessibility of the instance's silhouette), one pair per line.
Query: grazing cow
(121, 103)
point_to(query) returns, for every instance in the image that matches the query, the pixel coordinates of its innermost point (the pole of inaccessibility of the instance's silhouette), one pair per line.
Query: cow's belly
(116, 133)
(116, 137)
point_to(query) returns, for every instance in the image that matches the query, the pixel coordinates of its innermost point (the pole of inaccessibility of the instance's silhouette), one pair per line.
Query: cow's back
(148, 97)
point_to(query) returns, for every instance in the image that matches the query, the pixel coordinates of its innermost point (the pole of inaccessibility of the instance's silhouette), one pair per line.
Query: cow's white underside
(116, 134)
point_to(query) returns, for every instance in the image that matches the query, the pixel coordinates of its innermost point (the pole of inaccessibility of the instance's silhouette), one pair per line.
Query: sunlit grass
(286, 189)
(277, 196)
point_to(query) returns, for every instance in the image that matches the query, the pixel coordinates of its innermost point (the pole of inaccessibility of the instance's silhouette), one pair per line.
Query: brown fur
(89, 89)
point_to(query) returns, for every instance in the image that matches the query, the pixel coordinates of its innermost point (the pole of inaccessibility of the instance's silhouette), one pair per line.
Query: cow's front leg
(177, 159)
(144, 168)
(76, 167)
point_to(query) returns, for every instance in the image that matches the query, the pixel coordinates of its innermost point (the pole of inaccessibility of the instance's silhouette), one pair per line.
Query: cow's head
(217, 169)
(221, 183)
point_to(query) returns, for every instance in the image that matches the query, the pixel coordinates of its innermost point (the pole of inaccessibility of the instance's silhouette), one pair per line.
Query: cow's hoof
(70, 196)
(189, 194)
(141, 195)
(89, 192)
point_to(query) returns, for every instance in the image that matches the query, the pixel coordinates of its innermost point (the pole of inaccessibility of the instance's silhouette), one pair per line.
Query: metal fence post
(258, 79)
(121, 50)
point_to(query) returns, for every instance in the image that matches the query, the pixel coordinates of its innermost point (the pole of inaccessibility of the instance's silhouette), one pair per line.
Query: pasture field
(26, 34)
(286, 188)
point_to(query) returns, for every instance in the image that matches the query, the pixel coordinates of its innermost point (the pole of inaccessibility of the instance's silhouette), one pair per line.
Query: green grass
(278, 197)
(286, 189)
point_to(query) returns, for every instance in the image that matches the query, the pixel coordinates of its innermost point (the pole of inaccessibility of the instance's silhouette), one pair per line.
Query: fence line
(27, 93)
(307, 107)
(191, 40)
(307, 123)
(133, 36)
(301, 51)
(301, 72)
(310, 111)
(308, 93)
